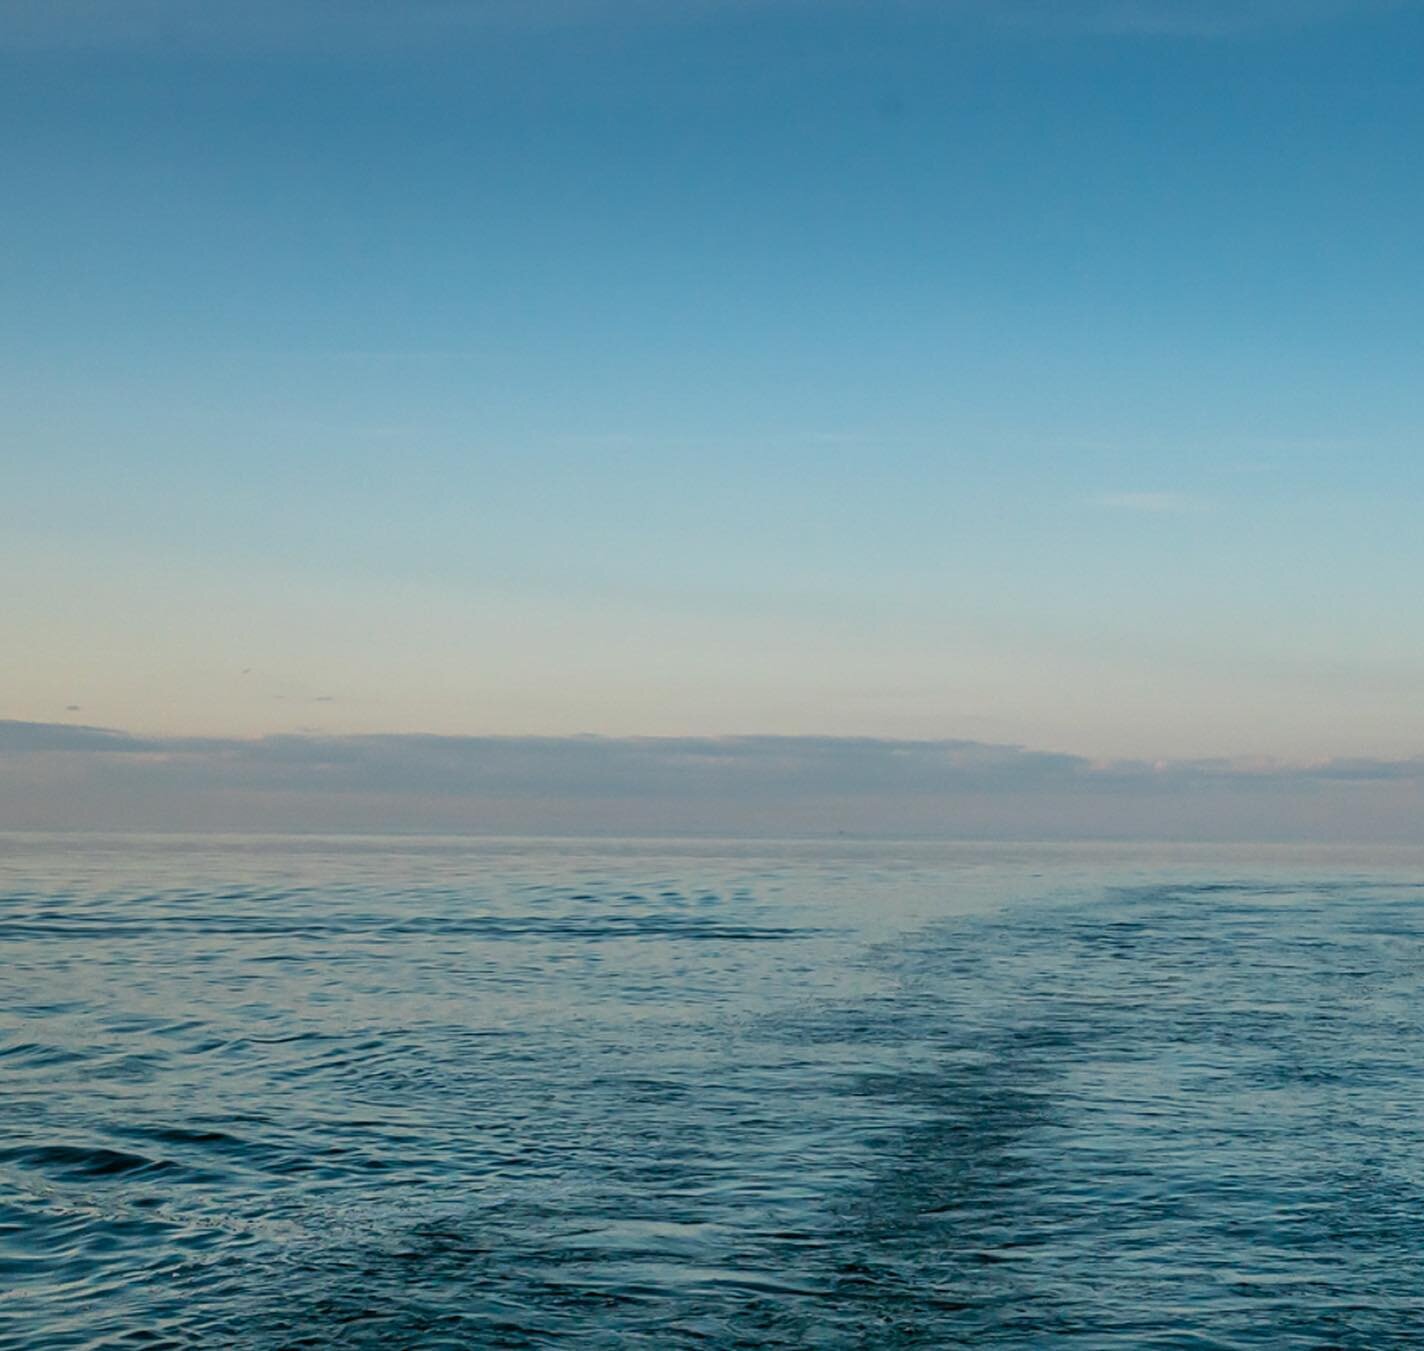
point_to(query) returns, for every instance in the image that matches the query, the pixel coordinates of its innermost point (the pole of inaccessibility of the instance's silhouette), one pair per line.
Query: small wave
(78, 1163)
(37, 1054)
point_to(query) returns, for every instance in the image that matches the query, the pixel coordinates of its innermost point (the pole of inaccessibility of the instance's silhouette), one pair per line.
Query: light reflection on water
(274, 1093)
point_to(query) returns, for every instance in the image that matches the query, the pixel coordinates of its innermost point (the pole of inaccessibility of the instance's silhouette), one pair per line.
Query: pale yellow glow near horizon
(206, 655)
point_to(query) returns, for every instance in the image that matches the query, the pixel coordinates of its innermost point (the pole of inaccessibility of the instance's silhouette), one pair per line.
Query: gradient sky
(1018, 372)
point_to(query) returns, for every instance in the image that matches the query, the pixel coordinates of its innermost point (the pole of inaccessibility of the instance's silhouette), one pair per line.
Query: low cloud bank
(62, 776)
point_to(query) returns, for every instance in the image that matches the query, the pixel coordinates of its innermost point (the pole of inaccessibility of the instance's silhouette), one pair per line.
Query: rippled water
(264, 1093)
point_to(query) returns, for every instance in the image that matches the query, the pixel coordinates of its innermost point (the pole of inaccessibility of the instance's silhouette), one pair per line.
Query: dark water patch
(77, 1163)
(38, 1055)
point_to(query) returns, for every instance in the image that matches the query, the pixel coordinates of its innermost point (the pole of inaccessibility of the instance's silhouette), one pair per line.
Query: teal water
(378, 1092)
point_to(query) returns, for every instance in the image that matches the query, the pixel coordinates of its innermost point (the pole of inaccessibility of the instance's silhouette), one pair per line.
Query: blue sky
(1029, 374)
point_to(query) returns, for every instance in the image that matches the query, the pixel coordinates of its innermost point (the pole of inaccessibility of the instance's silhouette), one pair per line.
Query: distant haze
(66, 777)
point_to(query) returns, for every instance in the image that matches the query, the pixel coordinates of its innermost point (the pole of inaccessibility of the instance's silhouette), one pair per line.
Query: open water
(262, 1093)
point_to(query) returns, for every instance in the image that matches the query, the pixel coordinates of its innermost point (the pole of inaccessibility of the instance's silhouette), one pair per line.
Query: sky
(1035, 376)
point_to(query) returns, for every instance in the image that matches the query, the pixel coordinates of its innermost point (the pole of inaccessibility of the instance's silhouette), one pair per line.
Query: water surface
(366, 1092)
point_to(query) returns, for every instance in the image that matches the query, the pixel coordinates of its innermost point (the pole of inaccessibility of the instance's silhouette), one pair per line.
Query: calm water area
(357, 1092)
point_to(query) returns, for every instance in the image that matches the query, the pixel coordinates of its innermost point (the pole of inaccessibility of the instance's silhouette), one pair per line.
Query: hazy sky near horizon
(1023, 373)
(56, 776)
